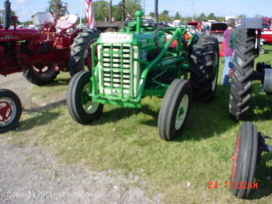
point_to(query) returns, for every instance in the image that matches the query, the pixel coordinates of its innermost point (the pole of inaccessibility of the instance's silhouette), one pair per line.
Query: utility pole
(144, 6)
(192, 4)
(110, 11)
(123, 10)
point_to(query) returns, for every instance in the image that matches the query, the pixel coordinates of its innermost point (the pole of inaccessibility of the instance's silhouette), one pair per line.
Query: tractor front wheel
(81, 51)
(175, 109)
(10, 110)
(244, 160)
(41, 76)
(79, 102)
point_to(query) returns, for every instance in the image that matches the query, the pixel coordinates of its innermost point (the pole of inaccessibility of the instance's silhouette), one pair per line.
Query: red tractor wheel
(81, 51)
(10, 110)
(244, 160)
(41, 76)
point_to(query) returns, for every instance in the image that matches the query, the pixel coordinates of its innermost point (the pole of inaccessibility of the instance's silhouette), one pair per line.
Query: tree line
(101, 10)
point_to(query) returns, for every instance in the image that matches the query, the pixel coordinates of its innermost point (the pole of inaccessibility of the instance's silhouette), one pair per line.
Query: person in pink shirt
(228, 51)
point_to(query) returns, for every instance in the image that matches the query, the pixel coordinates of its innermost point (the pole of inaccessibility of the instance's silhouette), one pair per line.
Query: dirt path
(29, 174)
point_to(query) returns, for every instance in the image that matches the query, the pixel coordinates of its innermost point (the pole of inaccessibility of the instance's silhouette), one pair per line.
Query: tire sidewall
(16, 106)
(76, 89)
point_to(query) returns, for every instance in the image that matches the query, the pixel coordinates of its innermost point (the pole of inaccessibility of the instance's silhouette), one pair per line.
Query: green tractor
(140, 61)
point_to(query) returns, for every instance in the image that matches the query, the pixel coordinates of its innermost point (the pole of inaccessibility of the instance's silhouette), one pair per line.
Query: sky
(26, 8)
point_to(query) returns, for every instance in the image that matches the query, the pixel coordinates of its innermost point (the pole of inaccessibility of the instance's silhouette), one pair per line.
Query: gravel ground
(30, 174)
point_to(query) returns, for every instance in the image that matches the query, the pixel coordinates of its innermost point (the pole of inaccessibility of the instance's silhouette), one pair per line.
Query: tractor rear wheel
(81, 51)
(10, 110)
(204, 65)
(175, 109)
(244, 160)
(41, 76)
(79, 102)
(240, 92)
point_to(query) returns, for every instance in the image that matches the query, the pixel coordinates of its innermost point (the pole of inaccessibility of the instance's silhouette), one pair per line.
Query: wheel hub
(5, 111)
(183, 107)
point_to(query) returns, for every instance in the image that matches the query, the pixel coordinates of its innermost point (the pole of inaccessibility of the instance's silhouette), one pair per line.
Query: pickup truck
(267, 35)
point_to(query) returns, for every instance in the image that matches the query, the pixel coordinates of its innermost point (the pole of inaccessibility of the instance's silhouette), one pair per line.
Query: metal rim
(46, 71)
(235, 159)
(215, 71)
(182, 111)
(7, 111)
(88, 105)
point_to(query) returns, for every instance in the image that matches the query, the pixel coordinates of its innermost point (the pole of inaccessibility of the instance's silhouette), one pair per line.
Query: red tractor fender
(73, 35)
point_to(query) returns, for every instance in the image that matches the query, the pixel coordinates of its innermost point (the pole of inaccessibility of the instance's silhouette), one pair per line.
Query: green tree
(152, 14)
(101, 10)
(221, 19)
(12, 13)
(202, 17)
(53, 2)
(132, 6)
(177, 16)
(241, 16)
(117, 12)
(211, 16)
(164, 16)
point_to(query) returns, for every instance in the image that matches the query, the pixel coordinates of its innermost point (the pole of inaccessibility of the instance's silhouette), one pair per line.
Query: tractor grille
(118, 73)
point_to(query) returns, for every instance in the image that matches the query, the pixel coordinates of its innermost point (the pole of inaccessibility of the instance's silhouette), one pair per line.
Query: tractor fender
(251, 23)
(73, 35)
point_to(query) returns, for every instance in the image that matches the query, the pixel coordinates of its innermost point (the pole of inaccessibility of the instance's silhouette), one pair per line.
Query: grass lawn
(127, 140)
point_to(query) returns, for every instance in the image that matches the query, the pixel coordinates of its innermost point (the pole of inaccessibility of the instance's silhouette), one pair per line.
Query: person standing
(228, 51)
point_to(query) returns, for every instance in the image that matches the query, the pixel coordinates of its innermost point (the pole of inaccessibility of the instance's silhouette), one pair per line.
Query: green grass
(127, 141)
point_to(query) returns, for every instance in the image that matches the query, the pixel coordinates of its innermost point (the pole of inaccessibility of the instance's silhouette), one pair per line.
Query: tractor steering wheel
(59, 11)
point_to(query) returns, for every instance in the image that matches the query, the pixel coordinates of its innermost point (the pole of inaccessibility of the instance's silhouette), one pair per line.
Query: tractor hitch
(262, 147)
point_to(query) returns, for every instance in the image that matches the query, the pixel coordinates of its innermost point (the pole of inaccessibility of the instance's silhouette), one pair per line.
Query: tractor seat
(66, 23)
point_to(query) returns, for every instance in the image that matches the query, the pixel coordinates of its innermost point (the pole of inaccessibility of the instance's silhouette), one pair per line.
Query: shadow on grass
(120, 113)
(204, 121)
(59, 82)
(42, 116)
(261, 107)
(264, 179)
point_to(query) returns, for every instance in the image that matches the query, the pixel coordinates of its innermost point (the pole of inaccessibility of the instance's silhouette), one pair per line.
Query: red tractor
(40, 53)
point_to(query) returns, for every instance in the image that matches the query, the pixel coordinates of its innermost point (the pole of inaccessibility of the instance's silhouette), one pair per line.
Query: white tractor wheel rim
(182, 112)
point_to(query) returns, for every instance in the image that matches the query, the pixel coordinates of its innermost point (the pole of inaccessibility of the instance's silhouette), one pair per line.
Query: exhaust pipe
(6, 16)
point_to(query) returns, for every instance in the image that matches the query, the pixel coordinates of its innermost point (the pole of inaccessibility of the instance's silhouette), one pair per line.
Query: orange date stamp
(232, 185)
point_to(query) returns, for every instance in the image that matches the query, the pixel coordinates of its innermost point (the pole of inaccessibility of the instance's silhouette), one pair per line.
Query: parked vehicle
(267, 36)
(217, 29)
(143, 61)
(39, 53)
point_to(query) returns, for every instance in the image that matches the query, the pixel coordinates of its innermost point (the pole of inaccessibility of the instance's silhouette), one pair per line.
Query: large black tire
(10, 110)
(244, 160)
(240, 92)
(204, 65)
(42, 76)
(81, 51)
(175, 109)
(79, 102)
